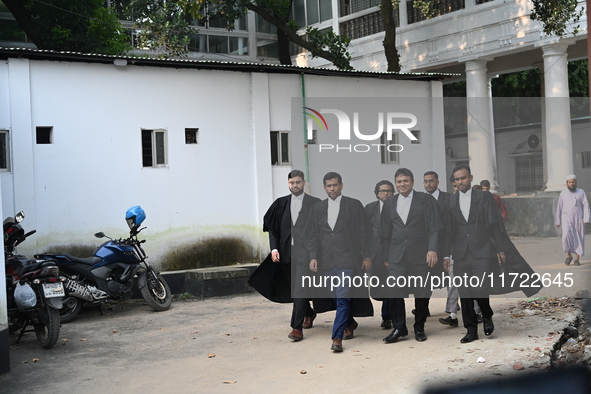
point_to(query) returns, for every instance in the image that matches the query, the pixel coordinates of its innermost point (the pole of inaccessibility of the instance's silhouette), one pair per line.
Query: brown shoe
(296, 335)
(309, 321)
(349, 331)
(337, 345)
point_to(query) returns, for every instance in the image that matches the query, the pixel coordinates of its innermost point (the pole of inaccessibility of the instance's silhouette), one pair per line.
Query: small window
(44, 134)
(154, 148)
(314, 139)
(279, 148)
(586, 157)
(417, 134)
(4, 151)
(389, 150)
(191, 136)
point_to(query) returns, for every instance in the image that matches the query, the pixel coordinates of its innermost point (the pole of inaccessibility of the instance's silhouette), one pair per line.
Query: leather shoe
(348, 334)
(577, 262)
(337, 345)
(478, 318)
(386, 324)
(428, 312)
(469, 337)
(448, 321)
(395, 335)
(420, 335)
(296, 335)
(488, 325)
(309, 321)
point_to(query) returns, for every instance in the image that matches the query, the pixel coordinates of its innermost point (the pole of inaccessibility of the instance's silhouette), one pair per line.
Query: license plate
(53, 290)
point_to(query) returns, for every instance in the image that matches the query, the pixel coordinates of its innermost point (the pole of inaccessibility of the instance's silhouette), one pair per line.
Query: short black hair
(431, 173)
(485, 183)
(382, 183)
(332, 175)
(462, 167)
(295, 173)
(477, 187)
(452, 179)
(404, 172)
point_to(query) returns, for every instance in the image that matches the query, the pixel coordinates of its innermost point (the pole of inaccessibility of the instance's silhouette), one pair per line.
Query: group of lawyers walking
(398, 236)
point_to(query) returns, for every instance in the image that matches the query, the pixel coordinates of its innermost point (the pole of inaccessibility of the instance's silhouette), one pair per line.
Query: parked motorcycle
(34, 288)
(108, 275)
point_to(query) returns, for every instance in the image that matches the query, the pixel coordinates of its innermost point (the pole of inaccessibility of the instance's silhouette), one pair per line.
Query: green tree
(556, 14)
(65, 25)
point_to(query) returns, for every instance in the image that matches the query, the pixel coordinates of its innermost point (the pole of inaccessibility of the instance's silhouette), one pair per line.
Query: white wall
(92, 172)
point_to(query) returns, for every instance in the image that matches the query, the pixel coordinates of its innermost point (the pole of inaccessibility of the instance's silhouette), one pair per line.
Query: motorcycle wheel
(70, 310)
(48, 332)
(156, 292)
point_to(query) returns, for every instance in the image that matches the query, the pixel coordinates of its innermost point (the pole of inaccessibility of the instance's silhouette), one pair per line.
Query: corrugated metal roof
(44, 54)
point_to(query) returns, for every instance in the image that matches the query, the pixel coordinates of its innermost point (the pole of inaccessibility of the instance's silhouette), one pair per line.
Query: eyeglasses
(385, 191)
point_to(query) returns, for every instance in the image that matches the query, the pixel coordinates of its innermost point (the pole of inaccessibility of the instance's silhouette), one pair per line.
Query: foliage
(333, 43)
(163, 26)
(65, 25)
(426, 7)
(556, 14)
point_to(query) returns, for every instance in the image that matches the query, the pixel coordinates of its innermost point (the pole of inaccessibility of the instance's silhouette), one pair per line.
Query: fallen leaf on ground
(320, 366)
(64, 340)
(355, 350)
(518, 367)
(229, 381)
(84, 339)
(115, 331)
(35, 360)
(303, 372)
(210, 355)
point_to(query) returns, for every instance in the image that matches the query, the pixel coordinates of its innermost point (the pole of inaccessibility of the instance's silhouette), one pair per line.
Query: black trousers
(473, 267)
(301, 300)
(398, 313)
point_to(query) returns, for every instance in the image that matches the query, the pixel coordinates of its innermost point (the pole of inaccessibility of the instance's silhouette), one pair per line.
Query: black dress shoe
(488, 325)
(420, 335)
(469, 337)
(386, 324)
(395, 335)
(478, 318)
(448, 321)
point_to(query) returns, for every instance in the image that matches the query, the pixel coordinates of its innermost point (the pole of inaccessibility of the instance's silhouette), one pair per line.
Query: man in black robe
(472, 222)
(338, 237)
(279, 276)
(410, 229)
(384, 189)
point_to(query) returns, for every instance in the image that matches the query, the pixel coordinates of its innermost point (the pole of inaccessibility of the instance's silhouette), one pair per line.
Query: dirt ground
(239, 345)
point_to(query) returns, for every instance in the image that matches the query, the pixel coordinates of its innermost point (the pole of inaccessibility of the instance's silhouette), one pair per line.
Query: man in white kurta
(572, 213)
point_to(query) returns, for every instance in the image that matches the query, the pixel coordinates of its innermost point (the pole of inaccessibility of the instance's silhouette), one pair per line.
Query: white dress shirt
(403, 205)
(296, 206)
(436, 194)
(334, 207)
(465, 201)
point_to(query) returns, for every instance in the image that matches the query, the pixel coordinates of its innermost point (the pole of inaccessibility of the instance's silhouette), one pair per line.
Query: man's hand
(366, 265)
(431, 259)
(558, 226)
(501, 257)
(446, 264)
(314, 265)
(275, 256)
(386, 264)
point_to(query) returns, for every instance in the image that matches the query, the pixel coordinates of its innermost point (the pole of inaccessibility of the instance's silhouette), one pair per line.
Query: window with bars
(4, 151)
(529, 173)
(389, 149)
(432, 9)
(365, 25)
(586, 158)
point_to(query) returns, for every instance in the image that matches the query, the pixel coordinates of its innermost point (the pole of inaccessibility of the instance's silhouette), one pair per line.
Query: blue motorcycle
(108, 275)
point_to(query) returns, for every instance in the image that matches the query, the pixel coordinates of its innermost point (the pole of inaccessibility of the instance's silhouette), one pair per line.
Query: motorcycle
(108, 275)
(34, 288)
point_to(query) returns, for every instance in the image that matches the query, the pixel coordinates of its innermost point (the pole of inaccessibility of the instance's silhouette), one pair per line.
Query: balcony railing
(431, 9)
(365, 25)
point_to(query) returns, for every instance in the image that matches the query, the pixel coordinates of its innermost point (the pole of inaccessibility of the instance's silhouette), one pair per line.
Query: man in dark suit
(410, 230)
(338, 237)
(383, 190)
(285, 221)
(471, 218)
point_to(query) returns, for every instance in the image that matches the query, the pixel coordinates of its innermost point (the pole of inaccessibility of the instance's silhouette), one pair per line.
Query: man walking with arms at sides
(338, 238)
(572, 213)
(471, 219)
(279, 276)
(383, 190)
(410, 227)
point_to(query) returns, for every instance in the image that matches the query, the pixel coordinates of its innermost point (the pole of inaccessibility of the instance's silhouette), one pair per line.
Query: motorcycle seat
(34, 266)
(87, 260)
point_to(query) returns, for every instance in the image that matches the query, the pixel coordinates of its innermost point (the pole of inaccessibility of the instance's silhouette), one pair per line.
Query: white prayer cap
(571, 176)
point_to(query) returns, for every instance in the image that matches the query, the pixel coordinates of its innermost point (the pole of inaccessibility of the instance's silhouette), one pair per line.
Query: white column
(403, 13)
(481, 142)
(251, 23)
(335, 17)
(559, 153)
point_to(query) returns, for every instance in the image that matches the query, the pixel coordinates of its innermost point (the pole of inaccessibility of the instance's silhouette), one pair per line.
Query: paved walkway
(240, 345)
